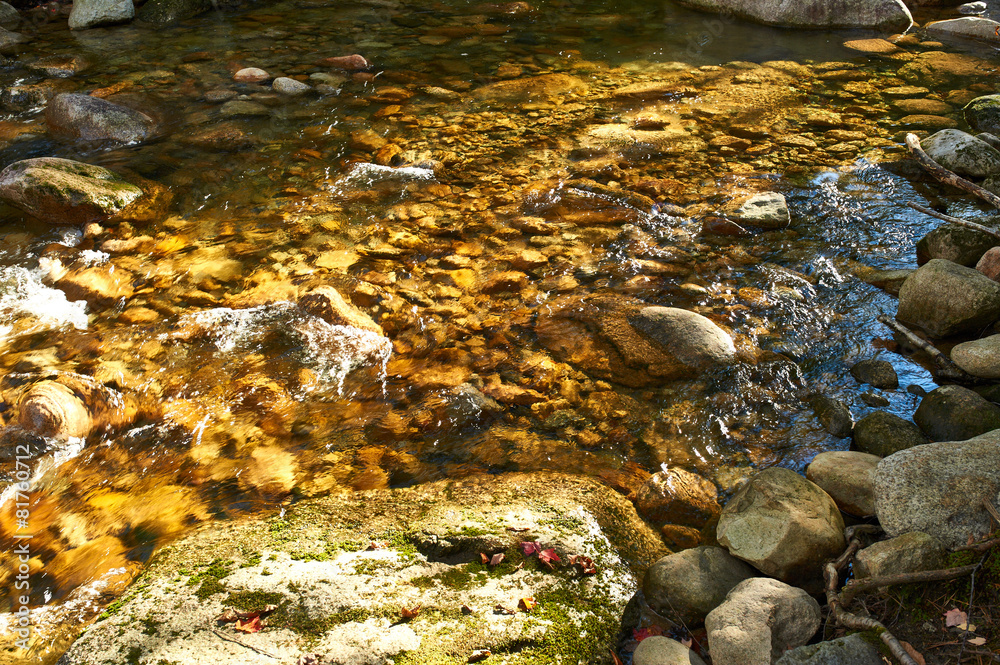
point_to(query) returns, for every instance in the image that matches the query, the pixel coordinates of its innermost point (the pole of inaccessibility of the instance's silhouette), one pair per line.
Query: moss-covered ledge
(340, 569)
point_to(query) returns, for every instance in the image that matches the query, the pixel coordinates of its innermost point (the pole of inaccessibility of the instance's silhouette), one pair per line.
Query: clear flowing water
(417, 187)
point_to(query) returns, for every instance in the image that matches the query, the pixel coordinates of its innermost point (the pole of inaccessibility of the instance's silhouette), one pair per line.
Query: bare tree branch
(946, 176)
(954, 220)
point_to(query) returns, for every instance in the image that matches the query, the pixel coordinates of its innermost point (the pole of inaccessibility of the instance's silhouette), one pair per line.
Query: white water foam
(22, 294)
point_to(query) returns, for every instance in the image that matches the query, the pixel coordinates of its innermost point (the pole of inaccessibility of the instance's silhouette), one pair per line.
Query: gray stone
(92, 13)
(882, 434)
(889, 281)
(87, 118)
(760, 620)
(694, 339)
(944, 298)
(908, 553)
(938, 488)
(962, 153)
(659, 650)
(686, 586)
(833, 414)
(783, 525)
(850, 650)
(308, 560)
(289, 86)
(969, 27)
(878, 373)
(10, 18)
(954, 413)
(969, 8)
(882, 14)
(983, 114)
(848, 477)
(242, 107)
(958, 244)
(980, 357)
(9, 41)
(61, 191)
(677, 496)
(763, 211)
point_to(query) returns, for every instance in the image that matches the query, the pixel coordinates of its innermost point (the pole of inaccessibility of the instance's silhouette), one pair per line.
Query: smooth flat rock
(938, 488)
(850, 650)
(944, 298)
(687, 585)
(659, 650)
(908, 553)
(882, 14)
(767, 210)
(86, 118)
(980, 357)
(848, 477)
(534, 88)
(969, 27)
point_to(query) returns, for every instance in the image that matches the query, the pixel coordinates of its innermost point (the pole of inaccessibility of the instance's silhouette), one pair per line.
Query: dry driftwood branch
(954, 220)
(854, 587)
(978, 547)
(946, 368)
(946, 176)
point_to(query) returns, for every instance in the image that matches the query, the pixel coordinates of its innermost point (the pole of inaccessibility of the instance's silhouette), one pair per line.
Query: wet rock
(767, 210)
(350, 63)
(241, 107)
(833, 415)
(251, 75)
(53, 410)
(92, 13)
(972, 8)
(288, 86)
(969, 27)
(889, 281)
(530, 89)
(931, 123)
(636, 144)
(678, 537)
(692, 338)
(877, 373)
(61, 191)
(783, 525)
(980, 357)
(937, 68)
(101, 286)
(504, 281)
(86, 118)
(165, 12)
(353, 615)
(873, 400)
(962, 153)
(10, 18)
(20, 98)
(983, 114)
(908, 553)
(922, 106)
(326, 303)
(881, 433)
(958, 244)
(686, 586)
(850, 650)
(938, 488)
(944, 298)
(848, 477)
(224, 136)
(659, 650)
(677, 496)
(882, 14)
(9, 41)
(954, 413)
(759, 621)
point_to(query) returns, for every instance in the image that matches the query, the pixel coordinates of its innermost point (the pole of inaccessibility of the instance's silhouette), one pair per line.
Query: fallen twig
(954, 220)
(230, 638)
(978, 547)
(946, 176)
(972, 595)
(946, 368)
(854, 587)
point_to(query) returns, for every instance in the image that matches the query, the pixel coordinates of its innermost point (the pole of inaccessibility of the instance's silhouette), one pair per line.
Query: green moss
(297, 619)
(133, 656)
(112, 609)
(209, 578)
(371, 566)
(252, 559)
(150, 625)
(252, 601)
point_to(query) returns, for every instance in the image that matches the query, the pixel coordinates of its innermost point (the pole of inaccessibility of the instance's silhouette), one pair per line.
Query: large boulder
(686, 586)
(979, 357)
(944, 298)
(627, 341)
(881, 433)
(760, 619)
(962, 153)
(939, 488)
(850, 650)
(783, 525)
(61, 191)
(338, 597)
(882, 14)
(954, 413)
(983, 113)
(82, 117)
(848, 477)
(958, 244)
(677, 496)
(968, 27)
(908, 553)
(92, 13)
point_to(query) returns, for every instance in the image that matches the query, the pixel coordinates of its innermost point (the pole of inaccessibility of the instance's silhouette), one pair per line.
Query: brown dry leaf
(977, 641)
(914, 654)
(228, 616)
(467, 610)
(378, 545)
(614, 658)
(967, 627)
(411, 613)
(527, 604)
(519, 566)
(479, 654)
(483, 558)
(253, 625)
(500, 609)
(955, 617)
(496, 559)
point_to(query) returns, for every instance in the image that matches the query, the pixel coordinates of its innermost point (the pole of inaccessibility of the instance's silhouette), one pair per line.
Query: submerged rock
(767, 210)
(939, 488)
(677, 496)
(877, 373)
(883, 14)
(87, 118)
(326, 303)
(165, 12)
(944, 298)
(53, 410)
(338, 597)
(530, 89)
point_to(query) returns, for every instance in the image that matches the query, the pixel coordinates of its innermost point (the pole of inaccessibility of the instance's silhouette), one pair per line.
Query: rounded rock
(251, 75)
(677, 496)
(881, 433)
(877, 373)
(848, 477)
(954, 413)
(51, 409)
(944, 298)
(289, 86)
(659, 650)
(690, 584)
(980, 357)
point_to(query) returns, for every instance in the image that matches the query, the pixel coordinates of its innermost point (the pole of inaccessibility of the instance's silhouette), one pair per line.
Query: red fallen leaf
(228, 616)
(479, 654)
(253, 625)
(639, 634)
(548, 556)
(584, 563)
(467, 610)
(527, 604)
(615, 659)
(955, 617)
(378, 545)
(496, 559)
(530, 548)
(409, 613)
(483, 558)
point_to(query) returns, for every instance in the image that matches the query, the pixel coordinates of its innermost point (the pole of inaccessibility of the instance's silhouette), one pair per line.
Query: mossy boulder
(340, 569)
